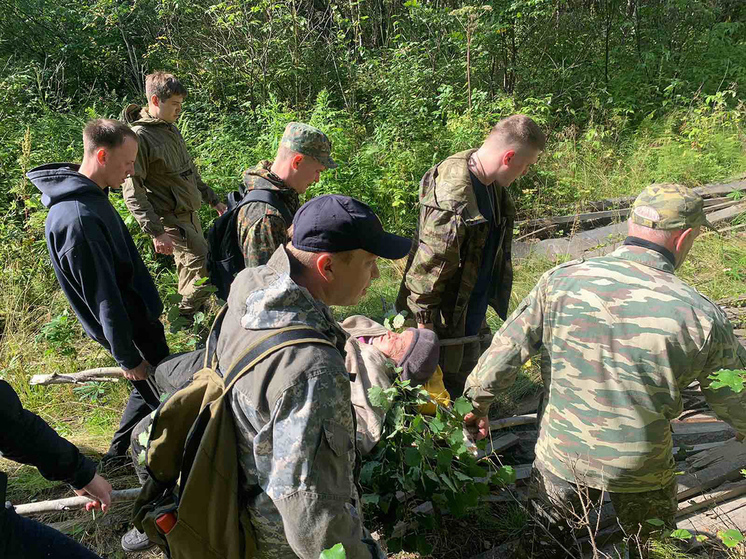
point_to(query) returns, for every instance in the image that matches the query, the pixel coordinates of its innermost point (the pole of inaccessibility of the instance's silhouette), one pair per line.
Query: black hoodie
(96, 261)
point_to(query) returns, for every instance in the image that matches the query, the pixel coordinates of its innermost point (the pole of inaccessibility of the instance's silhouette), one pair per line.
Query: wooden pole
(73, 503)
(99, 374)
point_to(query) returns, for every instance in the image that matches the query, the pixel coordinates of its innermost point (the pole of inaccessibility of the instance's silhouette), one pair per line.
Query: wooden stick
(99, 374)
(73, 503)
(466, 340)
(514, 421)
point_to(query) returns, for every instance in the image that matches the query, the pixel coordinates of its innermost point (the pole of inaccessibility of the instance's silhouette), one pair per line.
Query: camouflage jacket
(624, 337)
(294, 421)
(166, 181)
(446, 256)
(261, 227)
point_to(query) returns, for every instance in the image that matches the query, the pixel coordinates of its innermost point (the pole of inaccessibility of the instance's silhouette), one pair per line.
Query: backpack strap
(269, 197)
(212, 338)
(265, 346)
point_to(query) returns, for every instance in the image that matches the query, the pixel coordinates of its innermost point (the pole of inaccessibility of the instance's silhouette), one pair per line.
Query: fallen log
(73, 503)
(98, 374)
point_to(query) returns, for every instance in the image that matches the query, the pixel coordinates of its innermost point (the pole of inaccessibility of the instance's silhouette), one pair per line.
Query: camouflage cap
(308, 140)
(678, 207)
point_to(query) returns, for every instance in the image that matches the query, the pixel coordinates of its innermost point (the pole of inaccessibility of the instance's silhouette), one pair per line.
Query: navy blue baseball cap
(336, 223)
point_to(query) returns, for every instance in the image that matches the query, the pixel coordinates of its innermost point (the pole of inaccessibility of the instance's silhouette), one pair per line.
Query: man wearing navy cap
(293, 415)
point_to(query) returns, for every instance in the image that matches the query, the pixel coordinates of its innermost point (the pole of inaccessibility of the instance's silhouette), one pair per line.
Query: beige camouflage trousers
(558, 508)
(190, 254)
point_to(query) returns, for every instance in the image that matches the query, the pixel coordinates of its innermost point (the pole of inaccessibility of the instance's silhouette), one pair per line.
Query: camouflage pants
(190, 254)
(556, 507)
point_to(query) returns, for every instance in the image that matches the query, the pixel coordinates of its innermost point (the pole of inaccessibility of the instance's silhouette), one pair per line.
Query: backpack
(224, 256)
(190, 504)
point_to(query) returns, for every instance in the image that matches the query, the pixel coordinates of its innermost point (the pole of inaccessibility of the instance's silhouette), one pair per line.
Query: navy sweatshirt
(96, 261)
(26, 438)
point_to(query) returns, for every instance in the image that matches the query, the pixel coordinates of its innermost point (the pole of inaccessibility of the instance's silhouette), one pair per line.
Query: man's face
(170, 109)
(518, 165)
(306, 174)
(119, 163)
(352, 278)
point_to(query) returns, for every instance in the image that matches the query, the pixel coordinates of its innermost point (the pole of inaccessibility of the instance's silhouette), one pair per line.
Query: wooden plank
(700, 427)
(515, 421)
(725, 492)
(728, 468)
(731, 514)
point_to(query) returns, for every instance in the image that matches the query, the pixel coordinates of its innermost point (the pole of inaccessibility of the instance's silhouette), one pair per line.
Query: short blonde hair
(163, 86)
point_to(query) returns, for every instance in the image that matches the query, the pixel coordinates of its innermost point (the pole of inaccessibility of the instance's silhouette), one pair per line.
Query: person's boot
(134, 540)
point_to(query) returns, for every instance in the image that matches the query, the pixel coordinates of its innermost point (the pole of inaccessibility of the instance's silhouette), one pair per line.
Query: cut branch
(99, 374)
(73, 503)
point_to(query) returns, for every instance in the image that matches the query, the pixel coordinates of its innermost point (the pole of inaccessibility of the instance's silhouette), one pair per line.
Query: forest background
(629, 91)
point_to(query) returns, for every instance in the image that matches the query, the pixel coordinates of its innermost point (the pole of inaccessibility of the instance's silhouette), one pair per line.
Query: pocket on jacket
(337, 437)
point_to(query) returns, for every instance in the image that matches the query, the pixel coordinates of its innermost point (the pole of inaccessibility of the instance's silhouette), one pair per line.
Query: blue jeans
(23, 538)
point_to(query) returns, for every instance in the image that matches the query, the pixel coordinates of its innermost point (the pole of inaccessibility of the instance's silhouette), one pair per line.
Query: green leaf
(700, 538)
(445, 457)
(378, 398)
(462, 406)
(370, 498)
(437, 425)
(432, 475)
(367, 471)
(681, 534)
(462, 477)
(336, 552)
(655, 522)
(143, 437)
(731, 538)
(398, 321)
(448, 482)
(505, 475)
(412, 457)
(728, 379)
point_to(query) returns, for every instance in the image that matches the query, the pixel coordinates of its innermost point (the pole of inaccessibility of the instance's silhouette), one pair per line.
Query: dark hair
(163, 85)
(105, 133)
(520, 130)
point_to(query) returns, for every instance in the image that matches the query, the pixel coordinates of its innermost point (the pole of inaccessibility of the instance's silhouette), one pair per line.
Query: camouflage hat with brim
(308, 140)
(676, 206)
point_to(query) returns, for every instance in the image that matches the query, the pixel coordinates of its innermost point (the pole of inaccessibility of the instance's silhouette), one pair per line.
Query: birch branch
(73, 503)
(101, 374)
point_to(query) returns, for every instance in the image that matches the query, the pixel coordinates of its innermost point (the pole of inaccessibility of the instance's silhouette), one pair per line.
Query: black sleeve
(25, 437)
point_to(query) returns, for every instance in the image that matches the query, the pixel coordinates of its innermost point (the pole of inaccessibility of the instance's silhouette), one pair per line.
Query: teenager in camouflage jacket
(304, 152)
(625, 337)
(261, 227)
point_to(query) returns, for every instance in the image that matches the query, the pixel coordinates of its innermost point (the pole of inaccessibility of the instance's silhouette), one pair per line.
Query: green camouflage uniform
(624, 337)
(446, 256)
(261, 227)
(294, 421)
(164, 195)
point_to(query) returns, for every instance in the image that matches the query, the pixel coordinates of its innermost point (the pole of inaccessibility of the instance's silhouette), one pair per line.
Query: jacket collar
(644, 256)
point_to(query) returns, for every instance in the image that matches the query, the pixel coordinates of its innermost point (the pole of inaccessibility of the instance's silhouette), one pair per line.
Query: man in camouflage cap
(304, 152)
(624, 337)
(460, 262)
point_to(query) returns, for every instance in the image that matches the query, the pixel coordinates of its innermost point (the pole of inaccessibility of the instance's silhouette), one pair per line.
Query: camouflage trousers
(557, 513)
(190, 254)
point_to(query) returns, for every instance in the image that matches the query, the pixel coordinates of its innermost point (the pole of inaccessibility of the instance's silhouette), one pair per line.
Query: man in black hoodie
(26, 438)
(98, 266)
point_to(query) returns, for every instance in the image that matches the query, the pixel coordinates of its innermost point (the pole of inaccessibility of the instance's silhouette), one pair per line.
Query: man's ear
(324, 266)
(155, 101)
(508, 157)
(101, 156)
(296, 161)
(681, 240)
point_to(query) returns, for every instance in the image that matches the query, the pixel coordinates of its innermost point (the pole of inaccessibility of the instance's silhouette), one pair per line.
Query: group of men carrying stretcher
(620, 335)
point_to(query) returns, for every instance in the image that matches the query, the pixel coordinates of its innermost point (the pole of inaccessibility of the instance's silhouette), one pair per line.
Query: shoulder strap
(272, 198)
(212, 337)
(292, 335)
